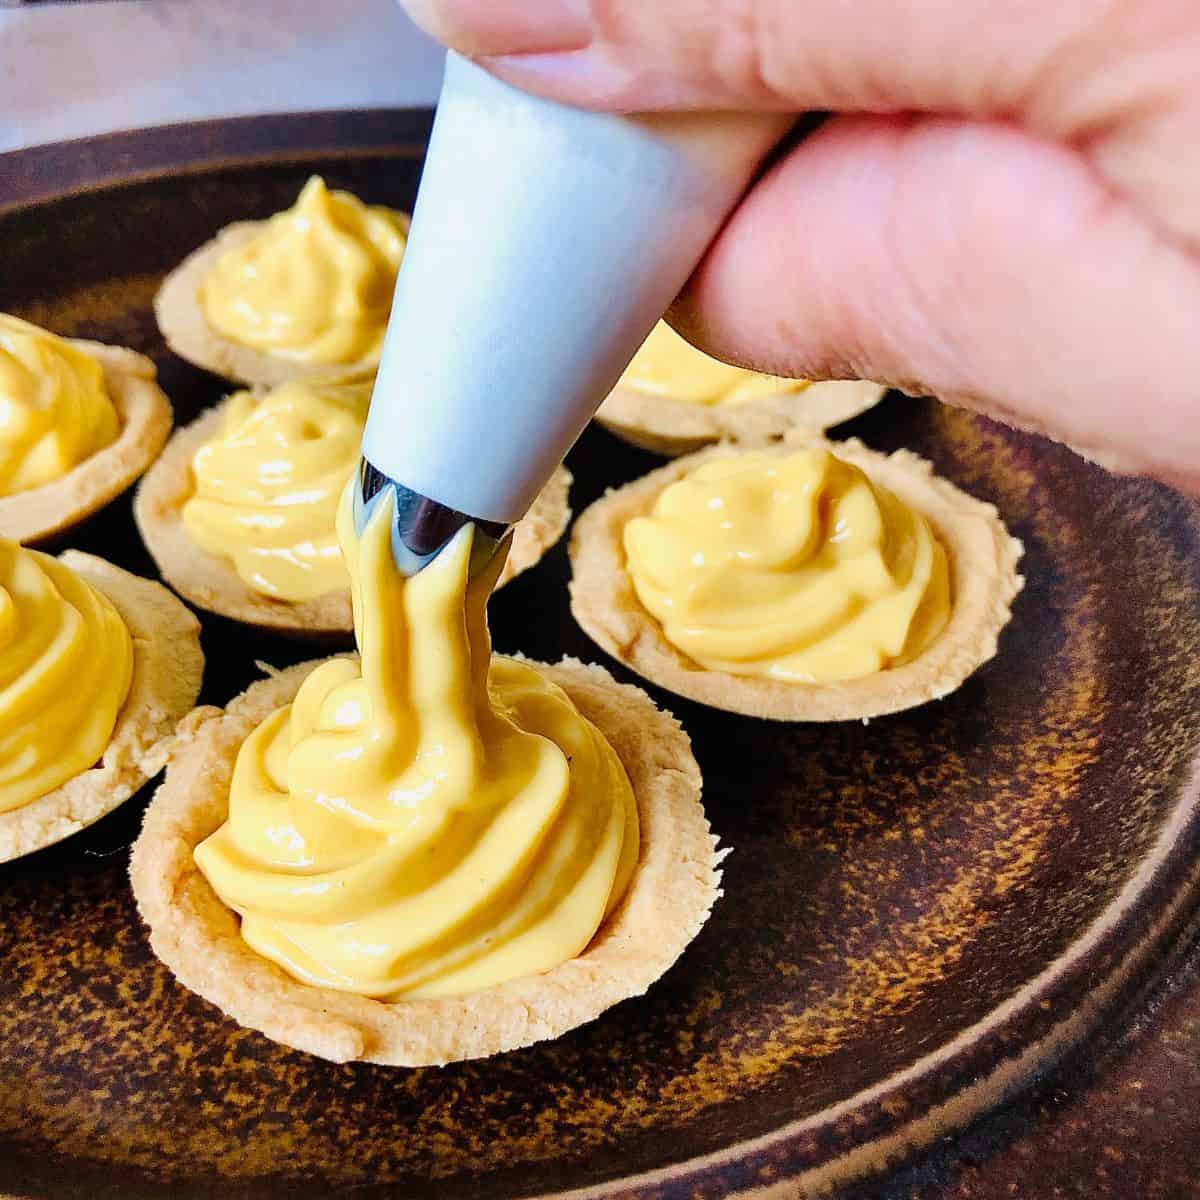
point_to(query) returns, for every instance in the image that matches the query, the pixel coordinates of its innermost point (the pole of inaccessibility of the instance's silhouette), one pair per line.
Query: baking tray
(921, 912)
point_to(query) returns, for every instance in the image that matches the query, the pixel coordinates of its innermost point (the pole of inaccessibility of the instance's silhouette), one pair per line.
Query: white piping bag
(545, 244)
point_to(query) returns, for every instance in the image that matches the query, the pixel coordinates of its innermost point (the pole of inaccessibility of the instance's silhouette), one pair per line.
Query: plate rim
(1104, 934)
(55, 171)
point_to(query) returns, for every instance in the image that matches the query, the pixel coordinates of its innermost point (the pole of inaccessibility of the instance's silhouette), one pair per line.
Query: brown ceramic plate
(919, 912)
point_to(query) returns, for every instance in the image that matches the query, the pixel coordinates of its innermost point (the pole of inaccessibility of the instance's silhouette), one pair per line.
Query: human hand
(1003, 209)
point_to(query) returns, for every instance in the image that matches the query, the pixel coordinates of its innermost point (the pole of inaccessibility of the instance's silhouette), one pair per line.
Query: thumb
(970, 56)
(1115, 82)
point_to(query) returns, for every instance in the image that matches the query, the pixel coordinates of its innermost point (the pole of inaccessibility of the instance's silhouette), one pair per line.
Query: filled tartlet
(675, 399)
(240, 510)
(306, 292)
(425, 853)
(800, 581)
(96, 668)
(79, 422)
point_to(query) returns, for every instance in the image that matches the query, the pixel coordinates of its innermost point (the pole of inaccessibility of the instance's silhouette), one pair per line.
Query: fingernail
(498, 27)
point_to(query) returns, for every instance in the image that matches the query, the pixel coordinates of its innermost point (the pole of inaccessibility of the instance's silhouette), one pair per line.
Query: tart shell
(983, 562)
(672, 427)
(145, 416)
(211, 582)
(167, 669)
(669, 898)
(187, 331)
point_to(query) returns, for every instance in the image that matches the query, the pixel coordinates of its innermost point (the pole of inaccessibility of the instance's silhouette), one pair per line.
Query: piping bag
(545, 244)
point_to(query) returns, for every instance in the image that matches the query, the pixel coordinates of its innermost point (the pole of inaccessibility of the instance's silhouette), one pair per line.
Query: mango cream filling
(315, 284)
(55, 410)
(794, 567)
(668, 365)
(267, 487)
(424, 820)
(66, 663)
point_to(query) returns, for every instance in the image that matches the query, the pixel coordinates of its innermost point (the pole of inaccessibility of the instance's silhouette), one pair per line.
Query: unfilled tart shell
(211, 582)
(145, 416)
(669, 426)
(167, 669)
(669, 898)
(983, 562)
(182, 322)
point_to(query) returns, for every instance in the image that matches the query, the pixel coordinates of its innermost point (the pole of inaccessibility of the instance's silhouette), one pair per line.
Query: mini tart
(167, 668)
(983, 562)
(669, 897)
(212, 583)
(669, 426)
(145, 416)
(187, 331)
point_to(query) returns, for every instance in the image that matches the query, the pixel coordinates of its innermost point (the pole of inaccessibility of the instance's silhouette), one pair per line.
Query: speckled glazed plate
(920, 913)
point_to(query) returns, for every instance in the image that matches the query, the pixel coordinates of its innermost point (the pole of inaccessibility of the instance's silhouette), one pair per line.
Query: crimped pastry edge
(672, 427)
(669, 897)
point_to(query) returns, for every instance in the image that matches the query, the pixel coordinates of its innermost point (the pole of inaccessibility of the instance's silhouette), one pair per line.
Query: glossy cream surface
(668, 365)
(55, 410)
(66, 664)
(424, 819)
(314, 284)
(267, 487)
(794, 567)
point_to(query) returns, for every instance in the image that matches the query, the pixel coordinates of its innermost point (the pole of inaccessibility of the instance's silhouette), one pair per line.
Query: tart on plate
(866, 586)
(674, 399)
(271, 582)
(302, 294)
(100, 665)
(425, 853)
(84, 420)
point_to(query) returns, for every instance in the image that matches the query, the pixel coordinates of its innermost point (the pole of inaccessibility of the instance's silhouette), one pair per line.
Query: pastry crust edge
(167, 672)
(983, 558)
(197, 937)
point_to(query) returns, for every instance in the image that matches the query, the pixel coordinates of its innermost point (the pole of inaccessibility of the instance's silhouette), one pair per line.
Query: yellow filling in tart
(315, 284)
(425, 820)
(267, 487)
(66, 663)
(55, 410)
(796, 568)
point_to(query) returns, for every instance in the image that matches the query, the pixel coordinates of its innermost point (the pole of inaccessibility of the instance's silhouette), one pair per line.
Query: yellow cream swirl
(426, 820)
(668, 365)
(66, 663)
(267, 487)
(793, 567)
(315, 284)
(55, 410)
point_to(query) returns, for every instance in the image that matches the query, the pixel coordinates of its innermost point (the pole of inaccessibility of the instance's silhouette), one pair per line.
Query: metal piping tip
(421, 527)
